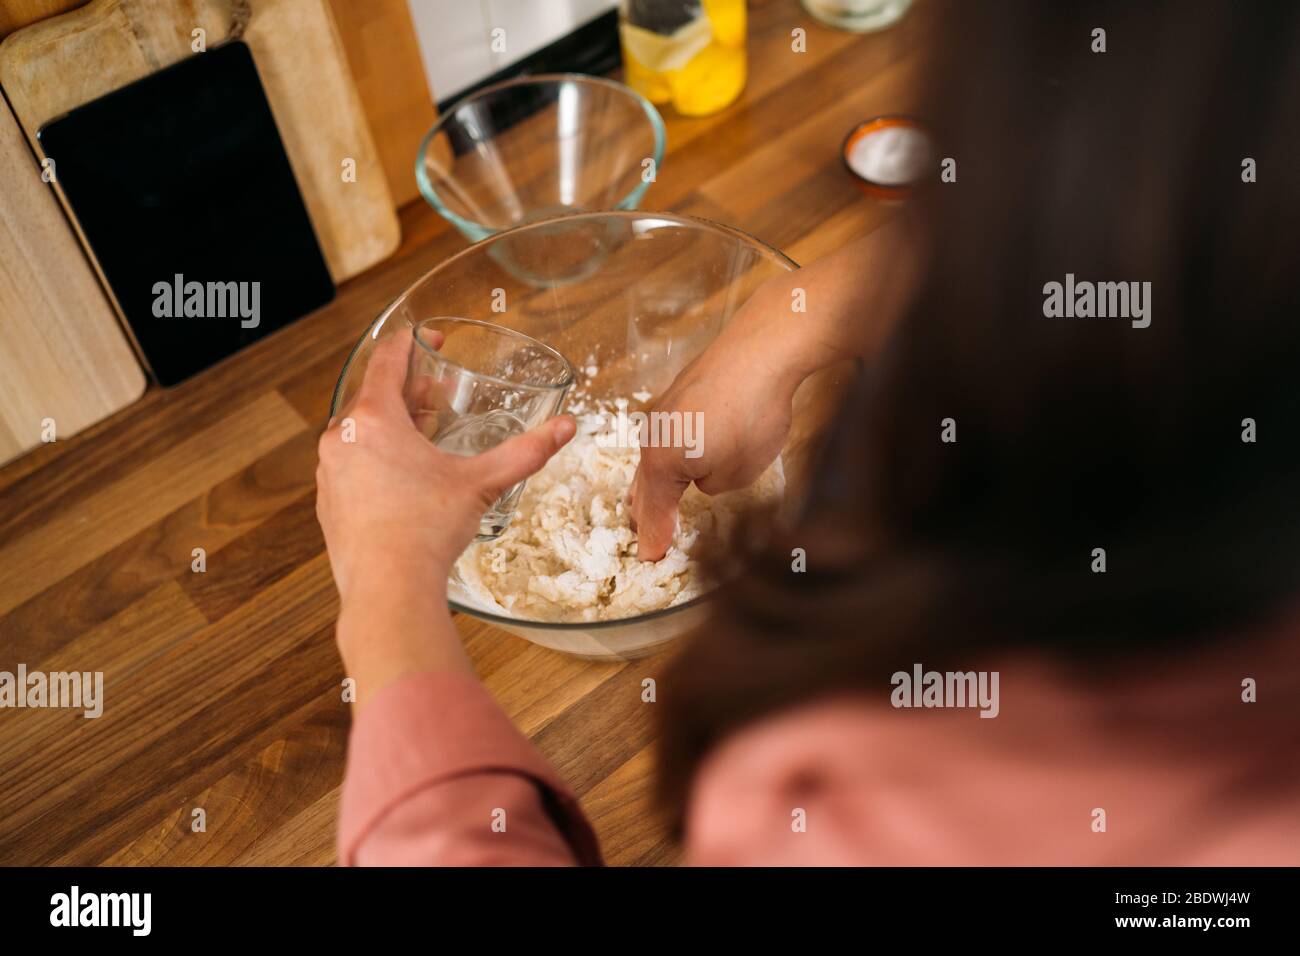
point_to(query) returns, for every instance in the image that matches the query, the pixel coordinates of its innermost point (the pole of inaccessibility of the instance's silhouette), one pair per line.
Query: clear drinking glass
(472, 385)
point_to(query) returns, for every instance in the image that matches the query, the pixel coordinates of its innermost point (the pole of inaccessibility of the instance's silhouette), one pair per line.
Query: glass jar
(688, 53)
(859, 16)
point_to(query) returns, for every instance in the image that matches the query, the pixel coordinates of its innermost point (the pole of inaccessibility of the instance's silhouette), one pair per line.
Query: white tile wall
(455, 35)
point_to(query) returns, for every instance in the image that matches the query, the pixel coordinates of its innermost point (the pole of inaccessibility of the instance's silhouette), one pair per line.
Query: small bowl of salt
(889, 156)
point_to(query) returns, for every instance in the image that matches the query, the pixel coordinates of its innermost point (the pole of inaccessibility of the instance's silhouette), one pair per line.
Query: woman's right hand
(741, 388)
(744, 382)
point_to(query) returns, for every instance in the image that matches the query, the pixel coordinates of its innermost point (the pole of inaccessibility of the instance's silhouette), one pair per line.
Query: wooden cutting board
(384, 55)
(19, 13)
(54, 65)
(64, 357)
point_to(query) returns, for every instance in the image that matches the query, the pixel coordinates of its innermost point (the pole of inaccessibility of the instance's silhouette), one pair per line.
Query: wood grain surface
(64, 358)
(15, 14)
(223, 688)
(384, 54)
(55, 65)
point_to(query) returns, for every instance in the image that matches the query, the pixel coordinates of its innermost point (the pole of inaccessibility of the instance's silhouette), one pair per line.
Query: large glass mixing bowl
(657, 290)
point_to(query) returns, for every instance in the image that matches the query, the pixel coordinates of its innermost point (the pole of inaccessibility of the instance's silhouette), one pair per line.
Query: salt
(891, 155)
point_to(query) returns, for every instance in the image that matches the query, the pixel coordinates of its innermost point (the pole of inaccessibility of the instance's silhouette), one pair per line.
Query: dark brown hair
(1072, 433)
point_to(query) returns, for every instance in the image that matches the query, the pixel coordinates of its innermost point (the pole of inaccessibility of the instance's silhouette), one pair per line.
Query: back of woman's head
(1005, 442)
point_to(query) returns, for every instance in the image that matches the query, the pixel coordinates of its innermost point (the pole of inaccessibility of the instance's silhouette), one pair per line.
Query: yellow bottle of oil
(690, 53)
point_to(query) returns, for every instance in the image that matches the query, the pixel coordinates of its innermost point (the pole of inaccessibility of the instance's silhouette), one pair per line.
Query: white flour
(569, 554)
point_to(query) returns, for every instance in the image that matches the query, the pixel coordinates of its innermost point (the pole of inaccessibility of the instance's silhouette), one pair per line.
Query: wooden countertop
(223, 688)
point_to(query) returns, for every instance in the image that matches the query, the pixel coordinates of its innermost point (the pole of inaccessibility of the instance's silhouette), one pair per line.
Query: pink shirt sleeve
(437, 775)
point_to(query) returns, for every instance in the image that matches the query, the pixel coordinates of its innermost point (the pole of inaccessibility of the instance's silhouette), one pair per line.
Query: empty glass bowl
(537, 147)
(663, 288)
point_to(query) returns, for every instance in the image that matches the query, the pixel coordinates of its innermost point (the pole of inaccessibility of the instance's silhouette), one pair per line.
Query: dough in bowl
(569, 553)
